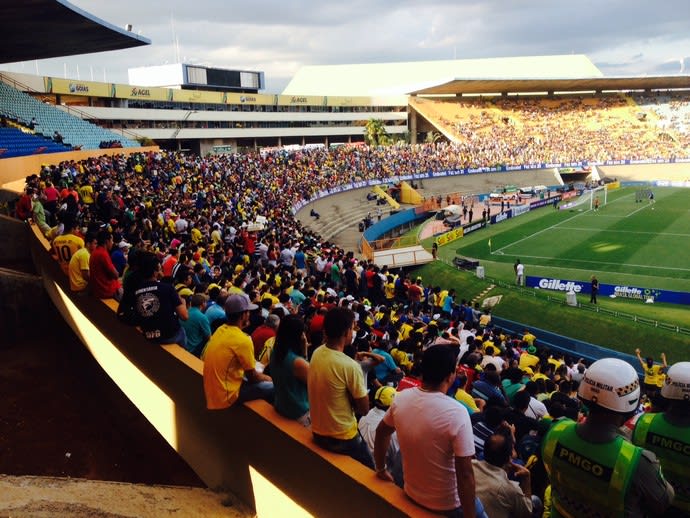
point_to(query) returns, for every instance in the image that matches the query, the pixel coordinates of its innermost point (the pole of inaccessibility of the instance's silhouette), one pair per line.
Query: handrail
(14, 83)
(87, 117)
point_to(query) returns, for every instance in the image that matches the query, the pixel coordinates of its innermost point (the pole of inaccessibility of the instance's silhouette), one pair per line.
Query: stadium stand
(161, 198)
(669, 112)
(75, 132)
(514, 131)
(14, 142)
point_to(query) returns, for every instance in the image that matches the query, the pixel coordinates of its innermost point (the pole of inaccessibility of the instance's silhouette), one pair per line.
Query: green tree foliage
(375, 133)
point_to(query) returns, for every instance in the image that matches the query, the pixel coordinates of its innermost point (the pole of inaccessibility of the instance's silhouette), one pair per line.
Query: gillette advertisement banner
(607, 290)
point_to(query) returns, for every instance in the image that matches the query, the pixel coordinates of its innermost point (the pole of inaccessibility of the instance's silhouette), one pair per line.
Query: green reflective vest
(588, 479)
(671, 444)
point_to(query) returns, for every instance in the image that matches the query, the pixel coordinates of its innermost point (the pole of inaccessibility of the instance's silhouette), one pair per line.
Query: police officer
(668, 435)
(593, 470)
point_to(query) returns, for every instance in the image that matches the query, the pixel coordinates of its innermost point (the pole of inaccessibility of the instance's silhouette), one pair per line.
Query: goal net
(588, 199)
(597, 197)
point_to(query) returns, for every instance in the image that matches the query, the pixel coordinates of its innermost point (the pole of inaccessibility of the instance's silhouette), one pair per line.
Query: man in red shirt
(414, 294)
(23, 208)
(103, 280)
(316, 327)
(264, 332)
(50, 203)
(169, 263)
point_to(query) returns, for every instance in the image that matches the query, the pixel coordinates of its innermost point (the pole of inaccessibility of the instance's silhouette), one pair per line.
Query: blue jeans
(355, 448)
(251, 391)
(457, 513)
(179, 338)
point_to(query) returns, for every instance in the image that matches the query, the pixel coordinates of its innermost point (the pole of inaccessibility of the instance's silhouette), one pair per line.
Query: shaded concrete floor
(71, 444)
(39, 497)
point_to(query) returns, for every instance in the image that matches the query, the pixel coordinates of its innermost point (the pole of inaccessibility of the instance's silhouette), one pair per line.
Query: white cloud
(279, 37)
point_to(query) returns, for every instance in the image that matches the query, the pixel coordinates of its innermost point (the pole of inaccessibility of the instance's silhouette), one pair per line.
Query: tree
(375, 133)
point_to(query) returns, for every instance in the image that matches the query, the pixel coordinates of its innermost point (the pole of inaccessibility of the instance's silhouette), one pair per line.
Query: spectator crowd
(515, 131)
(411, 379)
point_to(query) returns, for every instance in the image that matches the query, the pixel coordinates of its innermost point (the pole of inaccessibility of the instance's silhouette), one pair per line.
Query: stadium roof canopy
(379, 79)
(486, 86)
(38, 29)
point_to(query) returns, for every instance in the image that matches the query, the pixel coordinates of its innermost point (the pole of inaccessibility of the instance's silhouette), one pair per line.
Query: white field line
(662, 234)
(638, 210)
(537, 233)
(500, 250)
(587, 269)
(600, 262)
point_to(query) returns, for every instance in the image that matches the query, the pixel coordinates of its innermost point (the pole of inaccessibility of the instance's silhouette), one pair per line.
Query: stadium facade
(322, 105)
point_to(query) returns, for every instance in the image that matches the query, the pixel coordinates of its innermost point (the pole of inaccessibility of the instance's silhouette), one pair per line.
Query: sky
(278, 37)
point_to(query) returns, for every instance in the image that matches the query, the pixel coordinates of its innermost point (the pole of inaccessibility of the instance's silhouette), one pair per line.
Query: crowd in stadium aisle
(277, 313)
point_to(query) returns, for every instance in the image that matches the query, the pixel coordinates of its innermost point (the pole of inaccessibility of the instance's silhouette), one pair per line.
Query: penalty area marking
(556, 225)
(599, 262)
(662, 234)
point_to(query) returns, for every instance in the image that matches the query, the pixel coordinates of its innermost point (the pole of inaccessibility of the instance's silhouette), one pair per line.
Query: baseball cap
(384, 396)
(238, 303)
(185, 292)
(531, 349)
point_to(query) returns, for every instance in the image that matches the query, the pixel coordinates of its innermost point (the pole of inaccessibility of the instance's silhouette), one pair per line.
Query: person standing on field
(519, 273)
(594, 287)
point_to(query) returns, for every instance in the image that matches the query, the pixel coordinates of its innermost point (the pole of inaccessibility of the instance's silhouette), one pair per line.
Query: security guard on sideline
(667, 434)
(594, 471)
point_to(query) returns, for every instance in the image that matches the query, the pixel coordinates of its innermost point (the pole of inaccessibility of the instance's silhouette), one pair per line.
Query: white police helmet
(677, 384)
(612, 384)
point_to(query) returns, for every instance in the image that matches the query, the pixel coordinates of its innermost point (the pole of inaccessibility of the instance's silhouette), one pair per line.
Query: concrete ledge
(231, 449)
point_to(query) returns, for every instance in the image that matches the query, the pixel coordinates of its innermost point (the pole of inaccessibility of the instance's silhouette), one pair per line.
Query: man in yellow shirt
(78, 269)
(529, 337)
(67, 244)
(654, 374)
(230, 373)
(528, 358)
(337, 390)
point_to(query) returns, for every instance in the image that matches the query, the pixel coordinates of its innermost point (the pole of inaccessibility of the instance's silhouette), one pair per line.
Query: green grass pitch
(623, 242)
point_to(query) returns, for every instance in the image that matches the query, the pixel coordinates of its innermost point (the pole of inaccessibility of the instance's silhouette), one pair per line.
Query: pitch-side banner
(607, 290)
(450, 236)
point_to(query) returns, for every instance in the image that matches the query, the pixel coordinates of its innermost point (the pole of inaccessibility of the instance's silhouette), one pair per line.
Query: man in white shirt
(436, 440)
(496, 361)
(520, 274)
(535, 409)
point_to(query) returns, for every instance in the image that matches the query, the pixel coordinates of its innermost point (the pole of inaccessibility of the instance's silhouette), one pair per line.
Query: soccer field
(640, 242)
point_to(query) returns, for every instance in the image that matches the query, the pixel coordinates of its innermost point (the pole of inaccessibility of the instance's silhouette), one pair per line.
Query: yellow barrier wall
(380, 192)
(410, 195)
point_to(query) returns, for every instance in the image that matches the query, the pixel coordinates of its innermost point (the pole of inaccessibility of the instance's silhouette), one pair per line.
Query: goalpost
(599, 194)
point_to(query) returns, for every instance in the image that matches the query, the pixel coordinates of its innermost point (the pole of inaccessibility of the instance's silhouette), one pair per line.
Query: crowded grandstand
(199, 228)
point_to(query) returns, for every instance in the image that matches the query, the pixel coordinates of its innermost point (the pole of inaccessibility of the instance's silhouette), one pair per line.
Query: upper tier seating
(14, 142)
(76, 132)
(516, 131)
